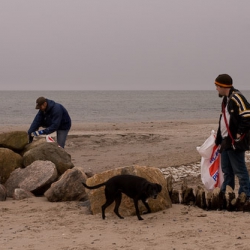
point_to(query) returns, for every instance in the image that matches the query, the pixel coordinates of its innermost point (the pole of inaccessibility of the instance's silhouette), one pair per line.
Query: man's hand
(37, 133)
(238, 137)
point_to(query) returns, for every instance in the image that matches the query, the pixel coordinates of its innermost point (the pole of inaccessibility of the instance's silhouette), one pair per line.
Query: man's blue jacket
(54, 118)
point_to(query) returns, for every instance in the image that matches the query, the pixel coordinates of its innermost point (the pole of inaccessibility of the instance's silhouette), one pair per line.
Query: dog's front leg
(118, 200)
(147, 206)
(137, 209)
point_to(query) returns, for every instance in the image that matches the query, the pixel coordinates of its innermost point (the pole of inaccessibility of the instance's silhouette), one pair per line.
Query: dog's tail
(94, 187)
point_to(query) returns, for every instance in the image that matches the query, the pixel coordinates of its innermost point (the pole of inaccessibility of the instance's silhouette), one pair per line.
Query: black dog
(135, 187)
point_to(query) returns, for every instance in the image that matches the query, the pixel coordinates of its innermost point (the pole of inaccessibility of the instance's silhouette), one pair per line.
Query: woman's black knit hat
(224, 80)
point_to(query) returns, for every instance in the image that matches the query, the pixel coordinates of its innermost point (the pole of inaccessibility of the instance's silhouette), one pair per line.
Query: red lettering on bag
(215, 163)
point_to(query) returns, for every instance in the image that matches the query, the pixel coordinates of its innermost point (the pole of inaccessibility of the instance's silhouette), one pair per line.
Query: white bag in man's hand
(49, 139)
(211, 174)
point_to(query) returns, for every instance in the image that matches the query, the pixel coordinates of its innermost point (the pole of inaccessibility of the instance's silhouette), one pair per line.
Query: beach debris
(230, 199)
(175, 197)
(240, 203)
(169, 180)
(178, 173)
(216, 200)
(174, 194)
(187, 195)
(181, 172)
(200, 198)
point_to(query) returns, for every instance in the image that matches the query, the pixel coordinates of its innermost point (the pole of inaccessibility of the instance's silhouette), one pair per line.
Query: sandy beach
(36, 224)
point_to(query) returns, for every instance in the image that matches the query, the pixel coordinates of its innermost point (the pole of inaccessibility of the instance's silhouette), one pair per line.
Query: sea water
(18, 107)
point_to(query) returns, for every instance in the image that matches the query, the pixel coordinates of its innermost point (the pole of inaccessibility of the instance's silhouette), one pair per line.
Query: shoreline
(80, 126)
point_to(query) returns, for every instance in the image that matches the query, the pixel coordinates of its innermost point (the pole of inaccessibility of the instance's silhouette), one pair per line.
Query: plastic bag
(211, 173)
(49, 139)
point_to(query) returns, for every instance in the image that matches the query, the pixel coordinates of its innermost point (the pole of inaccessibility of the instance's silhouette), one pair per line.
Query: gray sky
(123, 44)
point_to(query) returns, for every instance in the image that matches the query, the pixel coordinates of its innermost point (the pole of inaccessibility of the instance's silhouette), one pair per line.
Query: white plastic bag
(211, 174)
(49, 139)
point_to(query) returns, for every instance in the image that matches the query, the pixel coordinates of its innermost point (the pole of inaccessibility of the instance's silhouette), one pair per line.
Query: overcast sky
(123, 44)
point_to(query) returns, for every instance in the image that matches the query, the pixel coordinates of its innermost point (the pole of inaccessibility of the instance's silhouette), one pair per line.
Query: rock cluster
(33, 169)
(43, 168)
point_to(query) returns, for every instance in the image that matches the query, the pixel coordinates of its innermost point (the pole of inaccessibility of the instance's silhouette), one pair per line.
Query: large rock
(37, 141)
(15, 140)
(35, 178)
(49, 151)
(69, 187)
(9, 161)
(97, 196)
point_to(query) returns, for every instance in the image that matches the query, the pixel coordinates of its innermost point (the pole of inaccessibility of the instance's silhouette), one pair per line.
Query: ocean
(18, 107)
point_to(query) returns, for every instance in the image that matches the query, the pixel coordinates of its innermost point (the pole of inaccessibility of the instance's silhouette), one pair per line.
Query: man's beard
(220, 95)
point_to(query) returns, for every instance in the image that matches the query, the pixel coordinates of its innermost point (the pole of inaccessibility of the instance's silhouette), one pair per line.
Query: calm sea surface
(18, 107)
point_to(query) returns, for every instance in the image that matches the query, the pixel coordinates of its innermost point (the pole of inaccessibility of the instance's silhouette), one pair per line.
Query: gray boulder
(35, 178)
(9, 161)
(69, 187)
(49, 151)
(97, 196)
(37, 141)
(15, 140)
